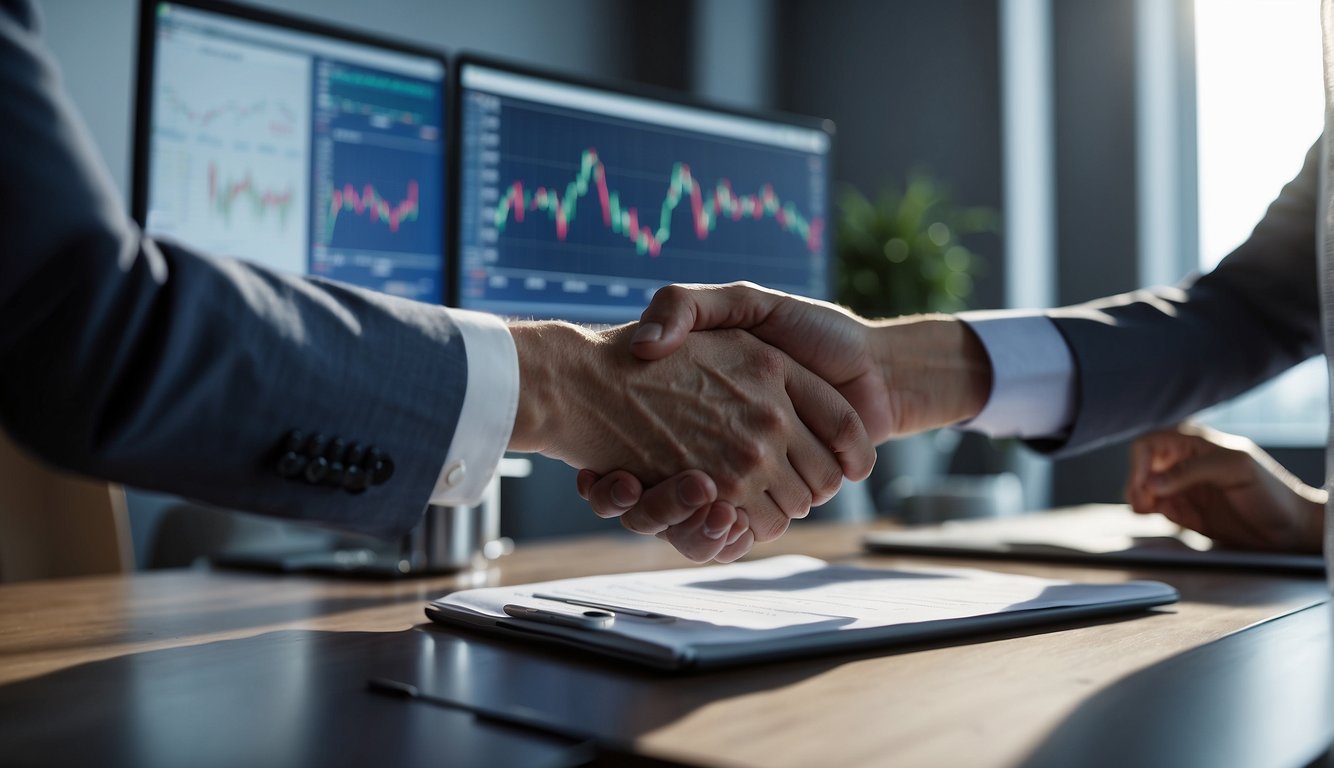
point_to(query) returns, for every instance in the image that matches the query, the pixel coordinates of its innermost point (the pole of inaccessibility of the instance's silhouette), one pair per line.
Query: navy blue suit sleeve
(1152, 358)
(144, 363)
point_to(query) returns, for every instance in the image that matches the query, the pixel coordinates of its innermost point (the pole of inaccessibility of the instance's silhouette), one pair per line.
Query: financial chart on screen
(579, 203)
(300, 151)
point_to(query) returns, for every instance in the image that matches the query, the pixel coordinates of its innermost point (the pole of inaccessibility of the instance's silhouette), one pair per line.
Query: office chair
(54, 524)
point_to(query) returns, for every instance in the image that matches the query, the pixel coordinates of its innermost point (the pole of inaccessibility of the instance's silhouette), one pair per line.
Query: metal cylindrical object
(452, 539)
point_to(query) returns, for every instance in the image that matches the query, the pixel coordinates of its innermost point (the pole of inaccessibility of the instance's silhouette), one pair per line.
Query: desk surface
(159, 667)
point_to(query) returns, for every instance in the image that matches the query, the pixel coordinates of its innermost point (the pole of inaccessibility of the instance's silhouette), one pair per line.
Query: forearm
(935, 370)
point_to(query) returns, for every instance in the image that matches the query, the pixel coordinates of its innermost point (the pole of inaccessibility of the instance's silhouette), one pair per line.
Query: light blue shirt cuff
(1033, 375)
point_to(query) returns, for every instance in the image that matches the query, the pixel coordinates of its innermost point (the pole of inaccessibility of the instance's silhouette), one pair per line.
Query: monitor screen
(301, 149)
(577, 202)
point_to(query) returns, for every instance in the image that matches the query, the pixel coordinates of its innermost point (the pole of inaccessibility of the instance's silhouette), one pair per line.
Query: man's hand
(902, 376)
(1226, 488)
(683, 509)
(773, 438)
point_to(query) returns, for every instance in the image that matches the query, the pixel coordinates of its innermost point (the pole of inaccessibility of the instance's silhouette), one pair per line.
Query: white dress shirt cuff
(489, 406)
(1033, 375)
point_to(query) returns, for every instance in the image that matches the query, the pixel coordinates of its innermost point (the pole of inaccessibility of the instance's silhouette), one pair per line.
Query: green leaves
(903, 252)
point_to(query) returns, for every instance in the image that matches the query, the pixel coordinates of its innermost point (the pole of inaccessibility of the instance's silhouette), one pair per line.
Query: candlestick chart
(570, 214)
(374, 198)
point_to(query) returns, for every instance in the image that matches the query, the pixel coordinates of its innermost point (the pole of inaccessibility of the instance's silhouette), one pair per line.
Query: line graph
(282, 118)
(706, 210)
(263, 201)
(371, 203)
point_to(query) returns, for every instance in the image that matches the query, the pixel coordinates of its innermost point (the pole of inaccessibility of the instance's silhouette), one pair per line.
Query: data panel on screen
(579, 203)
(303, 152)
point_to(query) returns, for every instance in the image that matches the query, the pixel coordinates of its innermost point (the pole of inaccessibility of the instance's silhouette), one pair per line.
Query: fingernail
(621, 495)
(737, 531)
(717, 522)
(646, 333)
(691, 493)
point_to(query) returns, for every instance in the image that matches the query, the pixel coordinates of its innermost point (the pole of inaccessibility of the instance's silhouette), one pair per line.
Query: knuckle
(604, 510)
(828, 483)
(737, 550)
(663, 508)
(849, 432)
(768, 527)
(749, 456)
(636, 523)
(691, 553)
(768, 417)
(801, 507)
(769, 362)
(670, 294)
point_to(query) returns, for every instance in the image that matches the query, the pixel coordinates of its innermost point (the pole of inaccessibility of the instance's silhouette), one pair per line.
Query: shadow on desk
(1259, 697)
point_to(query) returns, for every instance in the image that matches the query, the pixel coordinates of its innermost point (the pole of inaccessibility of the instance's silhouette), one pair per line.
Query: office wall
(911, 84)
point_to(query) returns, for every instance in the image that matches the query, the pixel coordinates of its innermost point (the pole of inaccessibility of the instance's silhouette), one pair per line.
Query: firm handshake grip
(729, 411)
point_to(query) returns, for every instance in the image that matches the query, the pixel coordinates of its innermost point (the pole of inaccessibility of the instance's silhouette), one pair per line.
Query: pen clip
(590, 619)
(619, 610)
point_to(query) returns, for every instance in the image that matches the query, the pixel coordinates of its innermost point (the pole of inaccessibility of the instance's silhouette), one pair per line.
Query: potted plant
(903, 253)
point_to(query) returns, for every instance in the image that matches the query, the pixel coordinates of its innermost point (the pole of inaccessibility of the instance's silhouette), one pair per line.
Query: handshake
(730, 410)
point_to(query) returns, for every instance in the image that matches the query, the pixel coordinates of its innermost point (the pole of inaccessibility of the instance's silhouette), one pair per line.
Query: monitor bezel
(143, 100)
(622, 88)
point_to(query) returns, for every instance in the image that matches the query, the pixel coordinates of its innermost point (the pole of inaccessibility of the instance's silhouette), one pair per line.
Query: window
(1260, 105)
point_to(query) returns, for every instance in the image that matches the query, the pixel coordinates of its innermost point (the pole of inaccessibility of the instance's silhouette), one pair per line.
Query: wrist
(546, 352)
(935, 367)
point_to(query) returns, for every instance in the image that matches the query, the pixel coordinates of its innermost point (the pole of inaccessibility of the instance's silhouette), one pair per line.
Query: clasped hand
(900, 376)
(750, 438)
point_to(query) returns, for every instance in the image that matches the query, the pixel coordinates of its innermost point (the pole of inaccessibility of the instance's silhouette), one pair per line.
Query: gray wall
(911, 84)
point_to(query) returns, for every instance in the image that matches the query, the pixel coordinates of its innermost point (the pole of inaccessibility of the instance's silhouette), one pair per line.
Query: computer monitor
(578, 201)
(303, 148)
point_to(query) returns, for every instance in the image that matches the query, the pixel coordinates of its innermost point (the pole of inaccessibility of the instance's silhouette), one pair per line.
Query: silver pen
(616, 609)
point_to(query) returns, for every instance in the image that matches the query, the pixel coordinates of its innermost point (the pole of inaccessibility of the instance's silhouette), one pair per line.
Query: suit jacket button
(294, 441)
(383, 470)
(335, 475)
(315, 445)
(316, 469)
(355, 453)
(291, 464)
(354, 479)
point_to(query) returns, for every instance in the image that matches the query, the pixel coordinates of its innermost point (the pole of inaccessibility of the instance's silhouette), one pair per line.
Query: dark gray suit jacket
(1153, 357)
(143, 363)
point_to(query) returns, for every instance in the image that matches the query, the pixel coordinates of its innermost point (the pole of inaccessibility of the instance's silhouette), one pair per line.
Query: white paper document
(790, 603)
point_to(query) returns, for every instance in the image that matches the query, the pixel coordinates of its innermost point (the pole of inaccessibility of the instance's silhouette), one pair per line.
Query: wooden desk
(212, 667)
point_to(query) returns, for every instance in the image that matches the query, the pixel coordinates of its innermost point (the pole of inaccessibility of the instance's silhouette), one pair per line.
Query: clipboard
(777, 608)
(1100, 534)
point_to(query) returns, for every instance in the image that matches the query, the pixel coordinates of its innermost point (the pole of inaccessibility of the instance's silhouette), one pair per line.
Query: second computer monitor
(578, 202)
